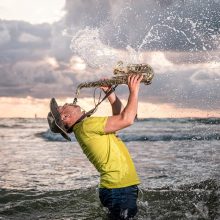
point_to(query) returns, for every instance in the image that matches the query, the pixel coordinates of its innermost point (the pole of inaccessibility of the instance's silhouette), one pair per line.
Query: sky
(48, 47)
(34, 12)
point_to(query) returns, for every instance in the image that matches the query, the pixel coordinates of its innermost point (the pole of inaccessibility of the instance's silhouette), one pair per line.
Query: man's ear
(64, 117)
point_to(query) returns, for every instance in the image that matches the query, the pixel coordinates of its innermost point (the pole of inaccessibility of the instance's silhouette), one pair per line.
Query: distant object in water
(35, 116)
(136, 118)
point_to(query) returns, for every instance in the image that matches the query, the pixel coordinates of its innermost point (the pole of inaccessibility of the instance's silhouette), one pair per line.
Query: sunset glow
(30, 108)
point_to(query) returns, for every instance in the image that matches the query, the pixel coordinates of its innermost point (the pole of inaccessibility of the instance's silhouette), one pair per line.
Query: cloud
(150, 25)
(26, 38)
(4, 35)
(23, 41)
(34, 78)
(186, 86)
(86, 13)
(180, 39)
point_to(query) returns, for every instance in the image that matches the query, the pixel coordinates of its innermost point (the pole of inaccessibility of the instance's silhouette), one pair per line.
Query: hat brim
(57, 119)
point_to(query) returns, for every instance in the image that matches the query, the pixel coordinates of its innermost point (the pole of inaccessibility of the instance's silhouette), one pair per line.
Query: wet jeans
(121, 202)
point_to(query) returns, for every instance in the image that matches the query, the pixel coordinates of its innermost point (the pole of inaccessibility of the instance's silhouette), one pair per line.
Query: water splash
(88, 45)
(130, 30)
(153, 35)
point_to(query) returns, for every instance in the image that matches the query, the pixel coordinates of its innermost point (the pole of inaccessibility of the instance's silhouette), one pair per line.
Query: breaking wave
(170, 137)
(49, 136)
(190, 201)
(183, 120)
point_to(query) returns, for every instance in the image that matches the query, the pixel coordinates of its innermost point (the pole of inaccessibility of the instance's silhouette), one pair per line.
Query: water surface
(44, 177)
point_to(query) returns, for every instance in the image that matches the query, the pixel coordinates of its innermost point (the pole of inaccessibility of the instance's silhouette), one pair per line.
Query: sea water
(44, 177)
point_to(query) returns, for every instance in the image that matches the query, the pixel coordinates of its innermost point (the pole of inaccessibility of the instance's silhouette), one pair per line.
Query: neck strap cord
(93, 110)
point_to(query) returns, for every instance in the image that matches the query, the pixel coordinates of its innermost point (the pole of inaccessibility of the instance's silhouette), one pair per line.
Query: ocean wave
(190, 201)
(182, 120)
(68, 204)
(11, 126)
(50, 136)
(169, 137)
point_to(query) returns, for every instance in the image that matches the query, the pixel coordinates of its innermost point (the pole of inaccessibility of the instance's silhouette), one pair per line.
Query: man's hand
(134, 82)
(115, 102)
(105, 89)
(127, 116)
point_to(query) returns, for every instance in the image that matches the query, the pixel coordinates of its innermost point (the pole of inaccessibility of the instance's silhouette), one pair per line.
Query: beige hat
(54, 120)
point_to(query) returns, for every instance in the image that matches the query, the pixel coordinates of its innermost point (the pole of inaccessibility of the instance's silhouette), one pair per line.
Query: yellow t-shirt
(106, 152)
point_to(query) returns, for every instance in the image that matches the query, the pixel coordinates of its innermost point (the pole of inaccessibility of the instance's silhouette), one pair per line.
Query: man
(96, 135)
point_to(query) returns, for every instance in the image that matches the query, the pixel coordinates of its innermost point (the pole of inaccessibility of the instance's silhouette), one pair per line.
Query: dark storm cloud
(162, 25)
(151, 25)
(165, 25)
(91, 13)
(23, 68)
(188, 88)
(37, 79)
(22, 41)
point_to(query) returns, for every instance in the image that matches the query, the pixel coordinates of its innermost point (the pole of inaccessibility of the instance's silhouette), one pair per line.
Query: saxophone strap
(109, 92)
(93, 110)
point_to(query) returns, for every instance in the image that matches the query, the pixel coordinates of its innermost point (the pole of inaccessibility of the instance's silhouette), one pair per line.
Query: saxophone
(121, 74)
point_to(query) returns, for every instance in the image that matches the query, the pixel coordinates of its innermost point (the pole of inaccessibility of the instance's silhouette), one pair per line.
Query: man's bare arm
(127, 115)
(117, 106)
(115, 102)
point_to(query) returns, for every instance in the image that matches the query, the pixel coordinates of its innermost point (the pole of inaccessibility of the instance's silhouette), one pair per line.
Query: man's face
(70, 113)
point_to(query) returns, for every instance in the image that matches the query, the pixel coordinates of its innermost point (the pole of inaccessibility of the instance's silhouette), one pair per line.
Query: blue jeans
(121, 202)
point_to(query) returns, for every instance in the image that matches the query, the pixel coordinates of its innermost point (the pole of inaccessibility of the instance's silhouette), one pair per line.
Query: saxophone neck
(77, 92)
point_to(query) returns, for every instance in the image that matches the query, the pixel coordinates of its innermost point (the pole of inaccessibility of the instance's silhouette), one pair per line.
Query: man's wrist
(135, 92)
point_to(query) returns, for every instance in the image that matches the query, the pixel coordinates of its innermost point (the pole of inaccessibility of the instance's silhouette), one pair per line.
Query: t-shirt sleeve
(95, 125)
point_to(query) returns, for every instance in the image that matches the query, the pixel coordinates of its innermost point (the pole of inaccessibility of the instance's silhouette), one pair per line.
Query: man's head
(62, 118)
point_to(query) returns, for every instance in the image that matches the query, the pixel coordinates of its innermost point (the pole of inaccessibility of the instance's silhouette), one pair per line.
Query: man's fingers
(129, 79)
(140, 78)
(136, 77)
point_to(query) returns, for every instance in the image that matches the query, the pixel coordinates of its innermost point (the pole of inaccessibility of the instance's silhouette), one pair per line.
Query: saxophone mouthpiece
(75, 101)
